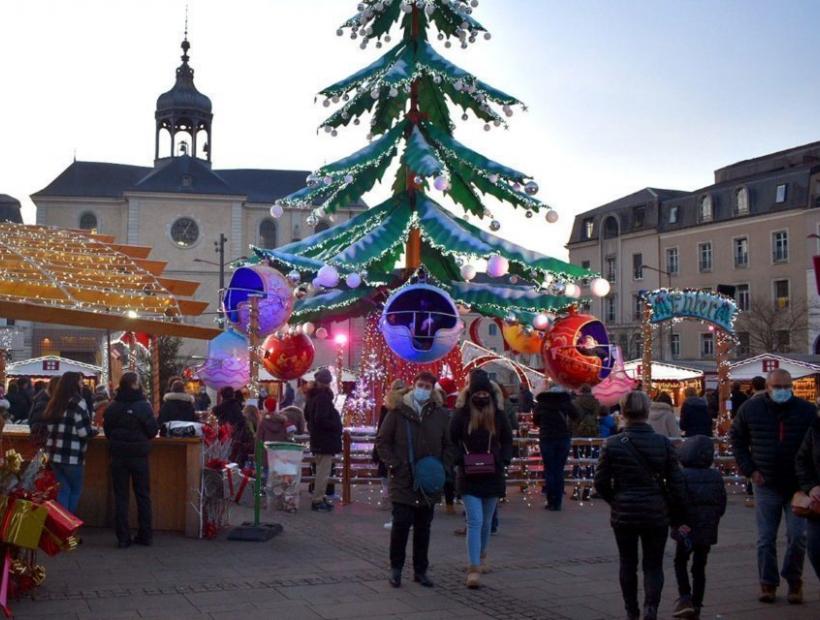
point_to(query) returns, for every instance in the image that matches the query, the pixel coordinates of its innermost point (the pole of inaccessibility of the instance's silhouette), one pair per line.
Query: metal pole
(155, 387)
(108, 353)
(220, 249)
(253, 345)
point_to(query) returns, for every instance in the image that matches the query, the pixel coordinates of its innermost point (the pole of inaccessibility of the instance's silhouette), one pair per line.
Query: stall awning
(763, 364)
(78, 278)
(662, 371)
(51, 366)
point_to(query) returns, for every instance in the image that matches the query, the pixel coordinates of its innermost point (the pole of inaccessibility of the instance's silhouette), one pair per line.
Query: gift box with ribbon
(60, 521)
(23, 523)
(53, 544)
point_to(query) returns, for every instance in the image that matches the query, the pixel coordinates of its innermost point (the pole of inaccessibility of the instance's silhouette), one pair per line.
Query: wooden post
(347, 496)
(3, 358)
(646, 360)
(253, 346)
(155, 387)
(723, 343)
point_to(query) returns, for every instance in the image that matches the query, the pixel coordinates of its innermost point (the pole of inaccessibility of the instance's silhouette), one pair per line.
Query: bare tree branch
(774, 329)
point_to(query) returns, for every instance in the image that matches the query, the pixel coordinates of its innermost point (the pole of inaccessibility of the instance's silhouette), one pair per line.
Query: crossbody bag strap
(644, 462)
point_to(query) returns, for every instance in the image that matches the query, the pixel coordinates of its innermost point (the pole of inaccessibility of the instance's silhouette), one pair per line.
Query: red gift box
(60, 522)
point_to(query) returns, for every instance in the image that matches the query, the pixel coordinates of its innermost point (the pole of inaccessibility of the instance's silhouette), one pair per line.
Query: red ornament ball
(576, 351)
(288, 357)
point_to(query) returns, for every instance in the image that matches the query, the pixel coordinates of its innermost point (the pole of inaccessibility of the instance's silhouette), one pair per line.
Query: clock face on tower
(184, 232)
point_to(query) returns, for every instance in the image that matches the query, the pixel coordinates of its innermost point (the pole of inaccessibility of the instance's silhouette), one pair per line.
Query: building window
(637, 341)
(781, 293)
(673, 214)
(782, 340)
(297, 234)
(267, 234)
(705, 209)
(637, 313)
(611, 269)
(638, 216)
(742, 296)
(707, 345)
(780, 246)
(705, 257)
(672, 260)
(610, 310)
(780, 194)
(742, 252)
(674, 344)
(610, 227)
(588, 228)
(492, 329)
(88, 221)
(637, 266)
(585, 264)
(742, 196)
(743, 343)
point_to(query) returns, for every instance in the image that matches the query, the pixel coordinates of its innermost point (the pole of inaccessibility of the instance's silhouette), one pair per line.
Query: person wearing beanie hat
(417, 426)
(325, 427)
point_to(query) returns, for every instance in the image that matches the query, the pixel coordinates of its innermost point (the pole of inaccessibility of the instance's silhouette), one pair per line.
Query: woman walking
(639, 477)
(130, 426)
(481, 436)
(68, 429)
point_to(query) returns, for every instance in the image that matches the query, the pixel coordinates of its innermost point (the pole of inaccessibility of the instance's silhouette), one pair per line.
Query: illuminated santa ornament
(577, 351)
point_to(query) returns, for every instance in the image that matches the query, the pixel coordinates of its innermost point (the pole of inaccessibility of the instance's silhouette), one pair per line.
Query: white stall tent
(662, 371)
(51, 366)
(761, 365)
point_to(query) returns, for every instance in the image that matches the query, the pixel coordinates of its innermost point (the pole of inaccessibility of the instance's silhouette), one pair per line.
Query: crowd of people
(655, 469)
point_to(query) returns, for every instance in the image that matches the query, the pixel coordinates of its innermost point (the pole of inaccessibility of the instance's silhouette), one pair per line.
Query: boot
(395, 577)
(484, 567)
(767, 593)
(473, 575)
(795, 596)
(684, 608)
(650, 613)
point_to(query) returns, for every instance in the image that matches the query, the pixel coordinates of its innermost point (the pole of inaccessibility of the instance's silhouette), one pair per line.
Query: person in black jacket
(639, 477)
(765, 437)
(20, 396)
(130, 425)
(553, 415)
(695, 418)
(36, 419)
(325, 427)
(705, 505)
(737, 398)
(229, 411)
(177, 405)
(807, 466)
(480, 426)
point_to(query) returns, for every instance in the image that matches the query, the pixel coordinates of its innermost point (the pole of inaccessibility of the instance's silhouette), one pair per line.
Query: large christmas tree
(411, 93)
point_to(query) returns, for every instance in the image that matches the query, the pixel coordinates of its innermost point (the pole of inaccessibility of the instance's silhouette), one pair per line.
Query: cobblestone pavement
(545, 565)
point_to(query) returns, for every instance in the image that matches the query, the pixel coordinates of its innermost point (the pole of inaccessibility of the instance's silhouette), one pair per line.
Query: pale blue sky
(622, 94)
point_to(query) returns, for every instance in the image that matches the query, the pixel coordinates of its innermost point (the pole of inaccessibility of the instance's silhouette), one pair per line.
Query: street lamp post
(669, 278)
(219, 248)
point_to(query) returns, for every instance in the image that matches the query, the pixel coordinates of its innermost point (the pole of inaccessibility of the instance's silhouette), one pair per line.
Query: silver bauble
(495, 226)
(531, 188)
(528, 214)
(294, 277)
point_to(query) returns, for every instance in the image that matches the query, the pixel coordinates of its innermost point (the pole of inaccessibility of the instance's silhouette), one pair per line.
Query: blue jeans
(554, 453)
(770, 506)
(70, 478)
(480, 512)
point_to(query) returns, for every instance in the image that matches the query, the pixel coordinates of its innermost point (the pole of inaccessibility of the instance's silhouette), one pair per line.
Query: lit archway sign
(706, 306)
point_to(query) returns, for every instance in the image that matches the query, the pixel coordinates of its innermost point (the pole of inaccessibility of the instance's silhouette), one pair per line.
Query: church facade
(180, 207)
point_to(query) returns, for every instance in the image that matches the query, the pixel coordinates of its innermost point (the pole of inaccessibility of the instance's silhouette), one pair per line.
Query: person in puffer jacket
(554, 415)
(705, 505)
(765, 437)
(639, 477)
(807, 466)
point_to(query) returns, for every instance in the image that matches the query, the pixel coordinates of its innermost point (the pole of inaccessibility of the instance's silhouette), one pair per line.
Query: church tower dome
(185, 114)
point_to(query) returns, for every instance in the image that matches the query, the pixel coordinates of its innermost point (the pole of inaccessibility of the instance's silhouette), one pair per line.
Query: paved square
(545, 565)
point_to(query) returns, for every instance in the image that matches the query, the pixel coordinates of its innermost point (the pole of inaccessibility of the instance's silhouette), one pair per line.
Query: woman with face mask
(481, 436)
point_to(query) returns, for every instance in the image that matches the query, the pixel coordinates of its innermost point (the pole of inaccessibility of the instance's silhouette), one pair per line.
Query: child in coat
(705, 505)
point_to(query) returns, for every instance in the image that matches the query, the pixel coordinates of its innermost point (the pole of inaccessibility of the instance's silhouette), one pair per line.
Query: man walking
(765, 436)
(416, 430)
(325, 428)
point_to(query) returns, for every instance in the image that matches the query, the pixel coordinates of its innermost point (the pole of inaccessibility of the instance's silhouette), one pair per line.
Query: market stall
(667, 378)
(804, 375)
(43, 368)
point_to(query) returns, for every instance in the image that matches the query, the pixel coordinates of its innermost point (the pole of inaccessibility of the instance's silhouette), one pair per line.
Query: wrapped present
(23, 523)
(60, 521)
(53, 544)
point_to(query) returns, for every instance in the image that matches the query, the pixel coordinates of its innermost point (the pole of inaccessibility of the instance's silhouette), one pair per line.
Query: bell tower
(183, 116)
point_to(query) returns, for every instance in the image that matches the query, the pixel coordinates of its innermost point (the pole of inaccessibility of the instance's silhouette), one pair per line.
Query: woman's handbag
(804, 506)
(479, 463)
(428, 471)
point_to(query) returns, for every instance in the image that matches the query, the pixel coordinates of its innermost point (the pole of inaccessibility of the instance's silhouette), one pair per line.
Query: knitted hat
(323, 376)
(480, 382)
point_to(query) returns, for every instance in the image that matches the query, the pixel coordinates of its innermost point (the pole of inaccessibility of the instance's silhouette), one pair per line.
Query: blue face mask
(422, 395)
(781, 395)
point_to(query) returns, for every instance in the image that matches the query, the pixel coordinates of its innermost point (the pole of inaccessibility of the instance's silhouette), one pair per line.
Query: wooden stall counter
(176, 472)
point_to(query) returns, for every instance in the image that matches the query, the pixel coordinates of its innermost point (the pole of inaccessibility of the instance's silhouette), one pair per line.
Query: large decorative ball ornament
(520, 340)
(441, 183)
(420, 323)
(294, 277)
(308, 328)
(497, 266)
(321, 333)
(227, 364)
(541, 321)
(600, 287)
(531, 188)
(275, 298)
(552, 216)
(577, 351)
(328, 276)
(468, 272)
(353, 280)
(288, 357)
(276, 211)
(572, 290)
(495, 226)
